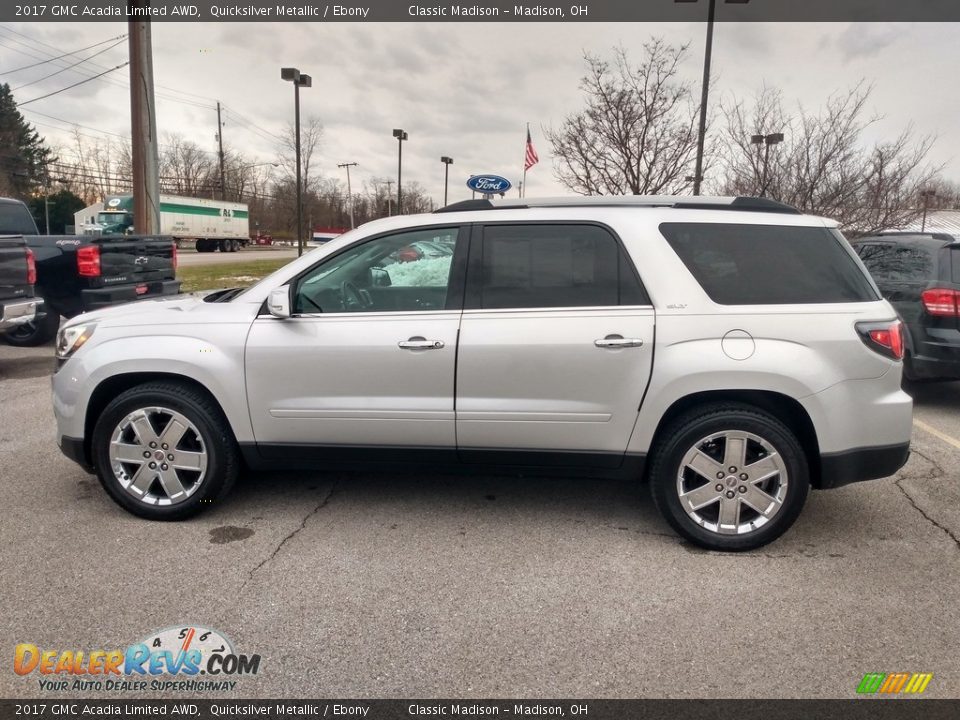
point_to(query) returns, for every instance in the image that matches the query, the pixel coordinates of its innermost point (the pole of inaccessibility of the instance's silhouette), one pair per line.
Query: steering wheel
(350, 296)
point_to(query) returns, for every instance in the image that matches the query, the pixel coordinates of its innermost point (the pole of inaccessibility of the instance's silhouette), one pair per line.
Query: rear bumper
(945, 365)
(843, 468)
(105, 297)
(18, 312)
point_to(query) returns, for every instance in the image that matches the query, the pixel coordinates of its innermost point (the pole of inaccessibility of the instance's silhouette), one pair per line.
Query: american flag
(531, 157)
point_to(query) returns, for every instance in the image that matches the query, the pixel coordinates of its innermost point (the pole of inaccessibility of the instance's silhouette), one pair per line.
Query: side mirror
(278, 303)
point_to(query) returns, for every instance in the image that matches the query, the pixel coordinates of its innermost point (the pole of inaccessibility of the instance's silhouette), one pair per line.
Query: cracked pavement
(425, 585)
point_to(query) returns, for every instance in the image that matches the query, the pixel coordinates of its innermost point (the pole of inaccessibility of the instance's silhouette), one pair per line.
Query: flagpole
(523, 184)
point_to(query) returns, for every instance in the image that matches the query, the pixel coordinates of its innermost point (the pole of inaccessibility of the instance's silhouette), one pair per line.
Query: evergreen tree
(23, 154)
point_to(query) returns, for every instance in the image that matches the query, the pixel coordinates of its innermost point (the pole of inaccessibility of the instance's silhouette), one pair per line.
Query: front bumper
(75, 449)
(871, 463)
(18, 312)
(99, 298)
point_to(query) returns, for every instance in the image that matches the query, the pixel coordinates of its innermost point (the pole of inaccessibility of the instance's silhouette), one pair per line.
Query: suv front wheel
(729, 477)
(164, 451)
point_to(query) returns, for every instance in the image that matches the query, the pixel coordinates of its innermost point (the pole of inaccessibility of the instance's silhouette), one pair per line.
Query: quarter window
(769, 264)
(542, 266)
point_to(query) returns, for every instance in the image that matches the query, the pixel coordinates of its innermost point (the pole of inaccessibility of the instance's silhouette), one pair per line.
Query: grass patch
(240, 274)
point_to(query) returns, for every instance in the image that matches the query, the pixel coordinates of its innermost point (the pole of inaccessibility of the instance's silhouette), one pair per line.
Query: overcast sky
(466, 90)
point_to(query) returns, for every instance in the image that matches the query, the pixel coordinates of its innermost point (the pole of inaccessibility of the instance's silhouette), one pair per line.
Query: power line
(34, 43)
(78, 62)
(74, 52)
(57, 92)
(252, 125)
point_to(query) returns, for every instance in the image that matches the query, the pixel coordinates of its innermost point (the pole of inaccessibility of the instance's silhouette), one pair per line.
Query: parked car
(919, 273)
(18, 273)
(731, 351)
(77, 273)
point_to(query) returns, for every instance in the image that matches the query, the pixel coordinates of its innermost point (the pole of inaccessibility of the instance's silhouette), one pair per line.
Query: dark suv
(919, 273)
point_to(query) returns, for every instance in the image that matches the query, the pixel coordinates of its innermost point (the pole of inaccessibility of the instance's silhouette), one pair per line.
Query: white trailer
(212, 224)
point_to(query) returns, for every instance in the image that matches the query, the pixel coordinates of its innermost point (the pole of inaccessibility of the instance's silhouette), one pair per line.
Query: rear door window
(555, 265)
(769, 264)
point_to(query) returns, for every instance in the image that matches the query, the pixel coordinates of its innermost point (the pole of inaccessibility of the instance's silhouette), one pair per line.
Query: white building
(87, 216)
(938, 221)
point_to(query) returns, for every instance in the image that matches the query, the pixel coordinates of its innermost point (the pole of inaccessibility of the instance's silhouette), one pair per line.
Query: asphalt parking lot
(435, 586)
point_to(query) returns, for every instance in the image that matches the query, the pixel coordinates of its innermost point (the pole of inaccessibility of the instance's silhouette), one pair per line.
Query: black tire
(686, 432)
(36, 332)
(223, 458)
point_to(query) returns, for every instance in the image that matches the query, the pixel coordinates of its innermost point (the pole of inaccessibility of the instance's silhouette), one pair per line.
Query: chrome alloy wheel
(158, 456)
(732, 482)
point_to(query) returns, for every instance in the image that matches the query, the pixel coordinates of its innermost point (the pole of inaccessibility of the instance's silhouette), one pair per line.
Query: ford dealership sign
(488, 184)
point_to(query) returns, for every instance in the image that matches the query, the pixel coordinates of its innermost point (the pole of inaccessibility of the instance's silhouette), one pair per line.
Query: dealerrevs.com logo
(199, 659)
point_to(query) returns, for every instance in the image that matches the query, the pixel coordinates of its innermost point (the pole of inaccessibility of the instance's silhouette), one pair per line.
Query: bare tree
(638, 132)
(823, 166)
(186, 169)
(311, 134)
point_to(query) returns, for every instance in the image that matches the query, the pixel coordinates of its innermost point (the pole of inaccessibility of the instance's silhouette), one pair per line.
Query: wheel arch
(112, 386)
(783, 407)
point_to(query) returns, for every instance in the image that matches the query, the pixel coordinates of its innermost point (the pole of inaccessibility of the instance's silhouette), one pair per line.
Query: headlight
(71, 338)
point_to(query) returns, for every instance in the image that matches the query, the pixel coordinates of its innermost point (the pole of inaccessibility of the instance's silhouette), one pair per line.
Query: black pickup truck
(76, 273)
(18, 272)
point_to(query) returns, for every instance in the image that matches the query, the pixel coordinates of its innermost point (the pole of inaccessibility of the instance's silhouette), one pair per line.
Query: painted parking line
(942, 435)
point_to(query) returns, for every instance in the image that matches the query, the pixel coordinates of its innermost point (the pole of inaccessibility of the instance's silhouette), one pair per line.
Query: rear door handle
(419, 343)
(617, 341)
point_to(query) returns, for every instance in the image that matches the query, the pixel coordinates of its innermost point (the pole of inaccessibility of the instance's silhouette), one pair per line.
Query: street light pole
(447, 162)
(705, 89)
(766, 141)
(349, 189)
(299, 80)
(400, 135)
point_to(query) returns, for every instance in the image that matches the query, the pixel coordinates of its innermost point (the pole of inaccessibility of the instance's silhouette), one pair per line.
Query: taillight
(942, 302)
(88, 261)
(885, 338)
(31, 267)
(175, 259)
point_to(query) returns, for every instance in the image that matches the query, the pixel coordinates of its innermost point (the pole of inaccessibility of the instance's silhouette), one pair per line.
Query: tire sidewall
(685, 435)
(214, 438)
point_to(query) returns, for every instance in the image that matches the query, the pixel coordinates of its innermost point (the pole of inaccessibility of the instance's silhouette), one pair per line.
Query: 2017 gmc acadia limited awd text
(732, 351)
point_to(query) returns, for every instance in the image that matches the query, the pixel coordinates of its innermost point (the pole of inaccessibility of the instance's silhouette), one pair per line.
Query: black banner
(859, 709)
(484, 11)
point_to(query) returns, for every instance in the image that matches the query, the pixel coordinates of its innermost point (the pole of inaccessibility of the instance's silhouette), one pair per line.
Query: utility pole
(349, 189)
(143, 125)
(223, 181)
(926, 195)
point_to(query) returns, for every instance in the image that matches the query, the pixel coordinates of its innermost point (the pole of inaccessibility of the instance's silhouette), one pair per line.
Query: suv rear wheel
(729, 477)
(164, 451)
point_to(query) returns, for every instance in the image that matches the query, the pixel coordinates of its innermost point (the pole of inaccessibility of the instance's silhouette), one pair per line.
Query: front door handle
(420, 343)
(618, 341)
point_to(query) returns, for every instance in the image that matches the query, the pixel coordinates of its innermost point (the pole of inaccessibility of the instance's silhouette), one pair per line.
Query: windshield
(115, 218)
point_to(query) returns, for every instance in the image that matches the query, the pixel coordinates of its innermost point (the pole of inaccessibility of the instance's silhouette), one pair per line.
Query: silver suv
(731, 351)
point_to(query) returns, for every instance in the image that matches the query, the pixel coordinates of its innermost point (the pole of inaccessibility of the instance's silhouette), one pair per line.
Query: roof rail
(946, 237)
(752, 204)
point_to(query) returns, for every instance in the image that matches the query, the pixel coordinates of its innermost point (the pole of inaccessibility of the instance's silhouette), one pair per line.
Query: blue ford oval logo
(489, 184)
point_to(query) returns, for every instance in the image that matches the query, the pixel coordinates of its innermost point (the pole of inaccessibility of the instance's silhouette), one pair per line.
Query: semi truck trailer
(212, 224)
